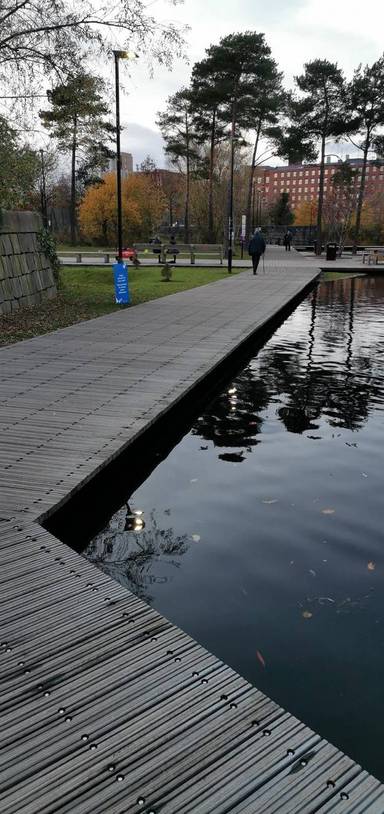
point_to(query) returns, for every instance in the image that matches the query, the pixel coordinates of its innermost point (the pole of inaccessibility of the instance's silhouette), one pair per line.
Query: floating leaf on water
(328, 511)
(269, 502)
(196, 538)
(244, 592)
(193, 480)
(312, 572)
(364, 474)
(307, 614)
(326, 600)
(292, 562)
(371, 566)
(203, 447)
(260, 658)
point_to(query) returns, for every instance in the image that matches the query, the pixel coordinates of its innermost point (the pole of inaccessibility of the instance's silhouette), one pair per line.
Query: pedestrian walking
(256, 248)
(287, 240)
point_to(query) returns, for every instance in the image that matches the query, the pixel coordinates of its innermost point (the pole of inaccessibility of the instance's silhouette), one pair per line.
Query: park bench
(79, 255)
(374, 255)
(192, 250)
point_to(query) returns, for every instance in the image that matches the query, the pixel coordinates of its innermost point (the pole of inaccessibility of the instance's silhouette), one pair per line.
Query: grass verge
(88, 292)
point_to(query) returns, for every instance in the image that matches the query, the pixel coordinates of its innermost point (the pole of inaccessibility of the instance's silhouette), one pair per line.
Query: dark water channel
(261, 534)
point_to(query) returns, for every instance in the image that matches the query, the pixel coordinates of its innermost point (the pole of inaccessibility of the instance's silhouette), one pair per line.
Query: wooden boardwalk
(106, 707)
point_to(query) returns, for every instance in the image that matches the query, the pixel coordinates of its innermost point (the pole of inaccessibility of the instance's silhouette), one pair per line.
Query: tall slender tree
(322, 104)
(236, 65)
(366, 111)
(262, 112)
(209, 125)
(177, 128)
(77, 120)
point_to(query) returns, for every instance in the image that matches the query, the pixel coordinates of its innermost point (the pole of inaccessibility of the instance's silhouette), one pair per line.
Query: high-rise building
(126, 164)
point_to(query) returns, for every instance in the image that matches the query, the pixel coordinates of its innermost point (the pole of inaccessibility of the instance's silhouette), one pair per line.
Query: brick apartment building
(301, 181)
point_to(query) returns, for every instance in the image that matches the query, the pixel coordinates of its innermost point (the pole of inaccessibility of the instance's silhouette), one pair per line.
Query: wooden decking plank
(70, 402)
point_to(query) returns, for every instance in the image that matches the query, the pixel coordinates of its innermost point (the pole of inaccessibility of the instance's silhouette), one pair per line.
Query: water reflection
(129, 546)
(282, 555)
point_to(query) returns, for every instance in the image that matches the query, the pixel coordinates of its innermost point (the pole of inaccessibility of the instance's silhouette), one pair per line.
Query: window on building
(267, 179)
(275, 175)
(294, 181)
(307, 172)
(313, 172)
(300, 173)
(294, 172)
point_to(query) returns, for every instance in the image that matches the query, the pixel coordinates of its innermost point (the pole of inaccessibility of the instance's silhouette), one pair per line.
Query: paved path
(274, 256)
(105, 706)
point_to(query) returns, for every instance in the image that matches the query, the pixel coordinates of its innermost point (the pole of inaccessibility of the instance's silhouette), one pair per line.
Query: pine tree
(77, 120)
(323, 86)
(177, 128)
(366, 110)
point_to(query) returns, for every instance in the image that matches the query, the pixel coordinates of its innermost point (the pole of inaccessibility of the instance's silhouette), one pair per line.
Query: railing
(164, 250)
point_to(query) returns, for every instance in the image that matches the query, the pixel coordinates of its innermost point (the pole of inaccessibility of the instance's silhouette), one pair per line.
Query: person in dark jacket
(156, 242)
(256, 248)
(287, 240)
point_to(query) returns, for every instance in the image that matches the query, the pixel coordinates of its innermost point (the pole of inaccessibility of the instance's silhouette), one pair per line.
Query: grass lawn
(88, 292)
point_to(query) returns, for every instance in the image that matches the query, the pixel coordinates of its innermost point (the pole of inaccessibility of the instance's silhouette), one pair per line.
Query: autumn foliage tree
(143, 209)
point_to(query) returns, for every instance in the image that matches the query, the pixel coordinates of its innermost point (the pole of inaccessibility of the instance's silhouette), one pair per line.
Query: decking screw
(344, 795)
(85, 737)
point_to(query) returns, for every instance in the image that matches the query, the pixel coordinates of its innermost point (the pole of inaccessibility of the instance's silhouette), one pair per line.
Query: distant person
(287, 240)
(256, 248)
(156, 242)
(172, 249)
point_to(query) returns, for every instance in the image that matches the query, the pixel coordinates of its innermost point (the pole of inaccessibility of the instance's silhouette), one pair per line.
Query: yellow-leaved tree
(143, 209)
(306, 213)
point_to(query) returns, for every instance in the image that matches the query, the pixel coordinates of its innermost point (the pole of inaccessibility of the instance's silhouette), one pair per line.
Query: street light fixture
(119, 55)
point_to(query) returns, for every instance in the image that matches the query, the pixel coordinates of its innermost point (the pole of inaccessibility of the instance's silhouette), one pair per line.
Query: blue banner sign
(120, 276)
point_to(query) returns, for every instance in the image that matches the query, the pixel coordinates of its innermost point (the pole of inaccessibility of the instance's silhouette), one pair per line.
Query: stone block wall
(26, 275)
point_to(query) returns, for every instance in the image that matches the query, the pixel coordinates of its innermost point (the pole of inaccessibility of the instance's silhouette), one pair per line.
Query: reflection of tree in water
(306, 377)
(233, 418)
(129, 557)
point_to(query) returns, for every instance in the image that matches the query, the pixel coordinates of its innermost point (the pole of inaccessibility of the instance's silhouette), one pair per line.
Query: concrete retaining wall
(26, 275)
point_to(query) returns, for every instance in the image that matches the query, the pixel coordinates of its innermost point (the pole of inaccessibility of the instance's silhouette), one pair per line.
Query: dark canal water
(263, 532)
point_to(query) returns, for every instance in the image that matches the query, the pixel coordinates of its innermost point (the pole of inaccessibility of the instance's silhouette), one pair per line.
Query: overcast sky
(343, 31)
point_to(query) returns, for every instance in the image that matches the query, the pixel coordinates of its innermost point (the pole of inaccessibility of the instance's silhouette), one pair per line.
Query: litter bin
(331, 251)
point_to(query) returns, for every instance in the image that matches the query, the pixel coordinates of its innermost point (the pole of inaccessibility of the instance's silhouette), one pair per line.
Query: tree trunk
(211, 234)
(321, 195)
(73, 182)
(251, 178)
(361, 194)
(187, 184)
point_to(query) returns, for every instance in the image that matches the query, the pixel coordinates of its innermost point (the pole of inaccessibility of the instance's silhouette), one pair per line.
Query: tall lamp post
(43, 191)
(231, 178)
(119, 55)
